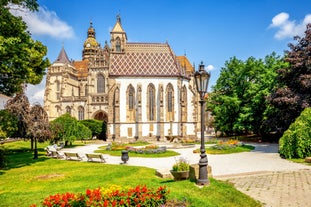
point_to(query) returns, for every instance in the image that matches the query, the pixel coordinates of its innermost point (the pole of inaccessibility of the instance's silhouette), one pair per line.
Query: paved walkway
(261, 174)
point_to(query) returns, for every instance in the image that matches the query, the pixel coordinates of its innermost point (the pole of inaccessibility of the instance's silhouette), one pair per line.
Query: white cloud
(44, 22)
(287, 28)
(35, 93)
(210, 67)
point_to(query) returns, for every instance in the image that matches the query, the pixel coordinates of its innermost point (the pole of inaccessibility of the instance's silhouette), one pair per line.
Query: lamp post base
(203, 173)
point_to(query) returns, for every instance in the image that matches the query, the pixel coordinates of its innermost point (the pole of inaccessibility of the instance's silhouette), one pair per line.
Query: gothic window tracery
(81, 113)
(169, 102)
(100, 83)
(68, 110)
(131, 95)
(118, 44)
(151, 102)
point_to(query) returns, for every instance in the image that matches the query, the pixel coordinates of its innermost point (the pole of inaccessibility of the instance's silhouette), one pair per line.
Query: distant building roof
(145, 59)
(62, 57)
(82, 67)
(184, 62)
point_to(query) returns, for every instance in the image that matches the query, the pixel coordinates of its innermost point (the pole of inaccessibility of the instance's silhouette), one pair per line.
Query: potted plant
(180, 169)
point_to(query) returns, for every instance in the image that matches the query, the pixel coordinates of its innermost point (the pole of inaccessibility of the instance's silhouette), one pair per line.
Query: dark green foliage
(23, 60)
(8, 123)
(238, 100)
(96, 126)
(296, 140)
(68, 129)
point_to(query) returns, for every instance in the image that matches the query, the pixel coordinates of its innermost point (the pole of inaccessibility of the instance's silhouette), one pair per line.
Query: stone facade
(142, 90)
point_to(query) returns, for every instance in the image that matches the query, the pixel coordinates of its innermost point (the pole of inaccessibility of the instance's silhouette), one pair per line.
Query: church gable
(145, 59)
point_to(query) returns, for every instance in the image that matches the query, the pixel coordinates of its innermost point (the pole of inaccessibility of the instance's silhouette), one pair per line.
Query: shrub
(181, 165)
(138, 196)
(296, 140)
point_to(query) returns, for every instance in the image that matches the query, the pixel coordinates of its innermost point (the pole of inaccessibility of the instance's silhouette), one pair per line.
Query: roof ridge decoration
(62, 57)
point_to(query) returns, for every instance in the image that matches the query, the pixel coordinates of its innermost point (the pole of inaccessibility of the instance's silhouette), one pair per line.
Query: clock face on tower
(88, 45)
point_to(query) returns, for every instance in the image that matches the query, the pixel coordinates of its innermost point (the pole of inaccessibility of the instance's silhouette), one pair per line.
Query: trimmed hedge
(296, 140)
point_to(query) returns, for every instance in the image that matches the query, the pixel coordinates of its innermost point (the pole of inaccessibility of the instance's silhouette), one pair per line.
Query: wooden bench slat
(72, 156)
(99, 157)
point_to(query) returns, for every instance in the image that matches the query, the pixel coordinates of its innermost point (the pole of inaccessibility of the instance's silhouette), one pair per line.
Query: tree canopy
(68, 129)
(293, 92)
(22, 58)
(238, 100)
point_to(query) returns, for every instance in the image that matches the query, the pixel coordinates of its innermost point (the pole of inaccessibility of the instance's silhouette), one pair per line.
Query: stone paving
(261, 174)
(276, 189)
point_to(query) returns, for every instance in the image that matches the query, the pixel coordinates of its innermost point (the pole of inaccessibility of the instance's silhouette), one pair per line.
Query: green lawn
(26, 181)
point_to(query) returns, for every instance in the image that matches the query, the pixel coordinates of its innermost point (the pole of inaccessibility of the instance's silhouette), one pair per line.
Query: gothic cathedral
(141, 90)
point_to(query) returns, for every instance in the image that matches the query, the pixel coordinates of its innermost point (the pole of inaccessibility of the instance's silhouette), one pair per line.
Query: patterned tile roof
(82, 68)
(145, 59)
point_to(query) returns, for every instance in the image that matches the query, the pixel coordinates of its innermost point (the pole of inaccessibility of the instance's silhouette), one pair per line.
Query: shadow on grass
(17, 158)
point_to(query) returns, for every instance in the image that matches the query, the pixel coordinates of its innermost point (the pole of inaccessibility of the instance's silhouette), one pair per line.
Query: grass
(26, 181)
(243, 148)
(300, 160)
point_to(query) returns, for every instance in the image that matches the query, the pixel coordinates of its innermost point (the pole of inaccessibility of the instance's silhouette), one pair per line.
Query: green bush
(296, 140)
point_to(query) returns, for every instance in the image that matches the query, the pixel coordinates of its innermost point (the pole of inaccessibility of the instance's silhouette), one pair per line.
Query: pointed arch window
(68, 110)
(170, 98)
(81, 113)
(118, 44)
(58, 110)
(151, 102)
(100, 83)
(57, 85)
(131, 99)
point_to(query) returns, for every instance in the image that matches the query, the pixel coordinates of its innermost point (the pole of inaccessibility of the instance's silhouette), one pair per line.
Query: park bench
(72, 156)
(173, 138)
(95, 158)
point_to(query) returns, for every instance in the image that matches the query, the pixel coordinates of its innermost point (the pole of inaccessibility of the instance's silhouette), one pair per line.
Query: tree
(38, 124)
(238, 100)
(97, 127)
(68, 129)
(8, 124)
(296, 140)
(22, 59)
(19, 106)
(292, 94)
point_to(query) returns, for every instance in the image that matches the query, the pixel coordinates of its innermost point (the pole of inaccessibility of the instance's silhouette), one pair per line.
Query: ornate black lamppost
(35, 154)
(201, 80)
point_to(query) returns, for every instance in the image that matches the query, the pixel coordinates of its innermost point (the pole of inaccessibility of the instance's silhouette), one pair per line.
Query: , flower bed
(138, 196)
(149, 149)
(227, 147)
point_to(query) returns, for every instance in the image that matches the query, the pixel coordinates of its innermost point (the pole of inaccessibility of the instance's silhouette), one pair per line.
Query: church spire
(118, 37)
(62, 57)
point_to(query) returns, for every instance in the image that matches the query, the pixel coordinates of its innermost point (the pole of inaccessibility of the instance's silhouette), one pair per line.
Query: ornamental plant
(181, 164)
(138, 196)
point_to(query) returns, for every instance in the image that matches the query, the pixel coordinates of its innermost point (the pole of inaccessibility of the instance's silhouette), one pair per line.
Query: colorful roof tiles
(145, 59)
(82, 68)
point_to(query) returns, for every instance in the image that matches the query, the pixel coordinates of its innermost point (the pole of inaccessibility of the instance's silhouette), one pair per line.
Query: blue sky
(205, 30)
